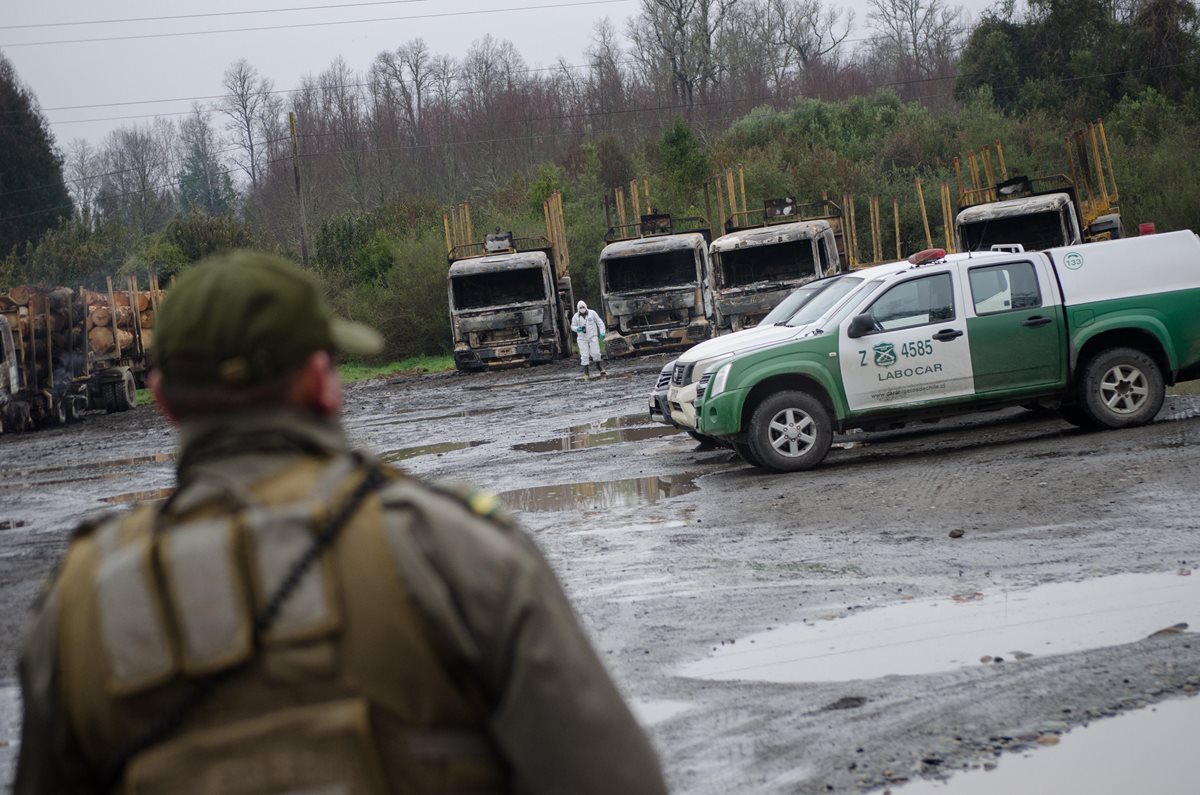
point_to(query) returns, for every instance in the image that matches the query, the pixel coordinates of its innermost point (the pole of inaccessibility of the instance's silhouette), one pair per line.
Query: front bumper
(504, 356)
(682, 403)
(641, 342)
(721, 415)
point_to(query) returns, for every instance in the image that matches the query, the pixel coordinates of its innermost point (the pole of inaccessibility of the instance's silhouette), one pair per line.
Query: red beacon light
(927, 256)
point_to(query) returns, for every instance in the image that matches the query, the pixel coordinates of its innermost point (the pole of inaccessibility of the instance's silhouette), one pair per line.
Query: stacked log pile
(56, 327)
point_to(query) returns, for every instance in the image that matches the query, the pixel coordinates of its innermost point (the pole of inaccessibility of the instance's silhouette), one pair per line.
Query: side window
(929, 299)
(1003, 288)
(823, 254)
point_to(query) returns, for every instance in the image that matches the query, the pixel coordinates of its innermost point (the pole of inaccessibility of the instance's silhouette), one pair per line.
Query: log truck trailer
(64, 352)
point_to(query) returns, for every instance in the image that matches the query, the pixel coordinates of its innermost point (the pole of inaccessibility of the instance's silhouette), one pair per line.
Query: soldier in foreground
(298, 617)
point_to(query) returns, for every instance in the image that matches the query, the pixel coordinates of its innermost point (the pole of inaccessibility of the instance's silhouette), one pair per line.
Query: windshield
(650, 271)
(481, 290)
(1036, 231)
(835, 290)
(790, 305)
(770, 263)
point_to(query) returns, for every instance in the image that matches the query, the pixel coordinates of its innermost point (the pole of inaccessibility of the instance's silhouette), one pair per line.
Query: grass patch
(144, 397)
(1186, 388)
(352, 372)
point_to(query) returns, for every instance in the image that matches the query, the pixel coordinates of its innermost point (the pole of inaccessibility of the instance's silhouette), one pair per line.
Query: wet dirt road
(803, 633)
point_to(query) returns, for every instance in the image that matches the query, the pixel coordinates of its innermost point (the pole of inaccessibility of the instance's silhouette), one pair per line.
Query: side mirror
(860, 326)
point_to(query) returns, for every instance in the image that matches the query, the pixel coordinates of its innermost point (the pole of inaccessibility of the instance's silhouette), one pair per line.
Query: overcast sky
(65, 72)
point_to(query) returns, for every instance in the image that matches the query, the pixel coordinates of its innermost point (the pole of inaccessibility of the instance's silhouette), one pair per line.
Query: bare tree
(915, 37)
(408, 73)
(810, 31)
(246, 95)
(81, 169)
(677, 38)
(138, 184)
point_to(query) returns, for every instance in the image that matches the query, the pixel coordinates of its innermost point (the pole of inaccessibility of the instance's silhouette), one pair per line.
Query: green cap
(242, 318)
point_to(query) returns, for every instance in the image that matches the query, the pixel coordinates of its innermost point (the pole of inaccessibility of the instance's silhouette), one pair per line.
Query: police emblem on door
(885, 354)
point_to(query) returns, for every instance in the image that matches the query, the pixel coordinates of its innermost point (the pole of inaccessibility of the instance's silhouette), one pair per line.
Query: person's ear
(318, 385)
(154, 381)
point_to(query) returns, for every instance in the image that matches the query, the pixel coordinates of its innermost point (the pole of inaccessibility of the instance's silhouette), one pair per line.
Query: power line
(209, 14)
(297, 25)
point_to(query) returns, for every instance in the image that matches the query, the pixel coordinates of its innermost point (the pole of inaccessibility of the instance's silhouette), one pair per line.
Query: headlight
(705, 364)
(717, 385)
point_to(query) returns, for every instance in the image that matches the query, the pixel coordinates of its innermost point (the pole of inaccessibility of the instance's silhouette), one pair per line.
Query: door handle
(1036, 320)
(947, 334)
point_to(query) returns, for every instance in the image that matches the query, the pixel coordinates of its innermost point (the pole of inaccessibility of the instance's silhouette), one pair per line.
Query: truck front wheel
(746, 454)
(1121, 388)
(790, 431)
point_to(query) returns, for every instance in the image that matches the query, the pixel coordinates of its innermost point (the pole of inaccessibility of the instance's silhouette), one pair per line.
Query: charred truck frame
(655, 280)
(510, 298)
(1040, 212)
(766, 254)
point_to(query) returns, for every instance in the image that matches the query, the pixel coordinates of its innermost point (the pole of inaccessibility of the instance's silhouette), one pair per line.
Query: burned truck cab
(756, 268)
(510, 297)
(1034, 222)
(656, 290)
(504, 311)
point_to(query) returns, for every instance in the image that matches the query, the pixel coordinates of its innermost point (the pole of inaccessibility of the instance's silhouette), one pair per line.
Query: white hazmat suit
(589, 330)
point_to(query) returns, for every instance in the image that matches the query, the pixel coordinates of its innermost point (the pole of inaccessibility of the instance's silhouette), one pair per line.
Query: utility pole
(299, 194)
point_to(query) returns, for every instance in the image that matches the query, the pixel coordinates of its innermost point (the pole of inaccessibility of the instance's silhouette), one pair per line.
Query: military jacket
(429, 649)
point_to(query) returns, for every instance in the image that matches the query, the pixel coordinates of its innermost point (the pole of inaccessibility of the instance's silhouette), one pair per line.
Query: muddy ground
(675, 556)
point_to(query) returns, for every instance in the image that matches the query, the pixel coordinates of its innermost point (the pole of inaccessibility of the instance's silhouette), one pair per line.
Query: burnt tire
(746, 454)
(790, 431)
(74, 405)
(1121, 388)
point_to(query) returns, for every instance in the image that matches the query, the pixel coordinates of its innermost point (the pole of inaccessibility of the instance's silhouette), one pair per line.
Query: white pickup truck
(1096, 330)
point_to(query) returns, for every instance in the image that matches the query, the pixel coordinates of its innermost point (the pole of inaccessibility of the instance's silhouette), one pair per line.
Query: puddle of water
(406, 453)
(1150, 750)
(623, 421)
(118, 462)
(578, 441)
(604, 494)
(652, 711)
(139, 496)
(927, 636)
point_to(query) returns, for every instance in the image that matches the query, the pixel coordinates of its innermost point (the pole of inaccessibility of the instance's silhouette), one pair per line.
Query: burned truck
(64, 351)
(1040, 212)
(768, 253)
(510, 297)
(656, 287)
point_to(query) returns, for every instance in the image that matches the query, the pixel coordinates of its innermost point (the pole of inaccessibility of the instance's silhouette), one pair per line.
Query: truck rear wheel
(1121, 388)
(790, 431)
(124, 394)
